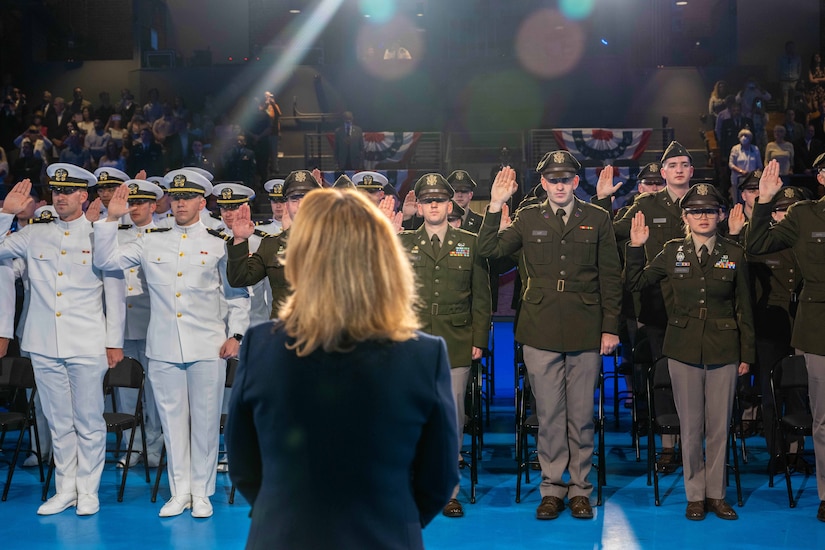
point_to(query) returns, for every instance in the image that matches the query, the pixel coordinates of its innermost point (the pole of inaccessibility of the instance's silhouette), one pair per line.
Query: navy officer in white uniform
(143, 197)
(196, 324)
(66, 333)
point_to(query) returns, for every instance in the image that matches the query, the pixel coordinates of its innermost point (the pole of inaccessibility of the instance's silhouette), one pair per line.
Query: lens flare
(576, 9)
(549, 45)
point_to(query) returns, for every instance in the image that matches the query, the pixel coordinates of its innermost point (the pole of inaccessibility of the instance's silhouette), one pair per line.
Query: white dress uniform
(134, 345)
(66, 333)
(270, 227)
(7, 299)
(185, 269)
(168, 220)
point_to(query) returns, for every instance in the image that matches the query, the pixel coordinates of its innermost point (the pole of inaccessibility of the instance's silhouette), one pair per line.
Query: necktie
(703, 256)
(560, 219)
(436, 242)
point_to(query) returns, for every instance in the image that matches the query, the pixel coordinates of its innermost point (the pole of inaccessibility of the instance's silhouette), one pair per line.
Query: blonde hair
(351, 279)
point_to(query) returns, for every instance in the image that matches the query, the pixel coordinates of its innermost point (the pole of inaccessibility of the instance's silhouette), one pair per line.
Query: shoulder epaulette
(260, 233)
(157, 230)
(125, 226)
(262, 222)
(41, 220)
(216, 216)
(218, 234)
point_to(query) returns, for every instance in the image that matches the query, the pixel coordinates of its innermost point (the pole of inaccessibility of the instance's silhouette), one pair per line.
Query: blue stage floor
(627, 520)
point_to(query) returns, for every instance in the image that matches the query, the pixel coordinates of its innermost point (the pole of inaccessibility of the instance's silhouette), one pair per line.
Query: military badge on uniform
(702, 189)
(179, 181)
(432, 179)
(367, 180)
(226, 194)
(789, 193)
(300, 176)
(461, 250)
(459, 176)
(61, 174)
(680, 256)
(103, 176)
(133, 187)
(558, 157)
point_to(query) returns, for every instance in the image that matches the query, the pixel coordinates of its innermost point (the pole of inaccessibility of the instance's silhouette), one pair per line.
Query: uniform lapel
(549, 216)
(423, 242)
(576, 217)
(449, 242)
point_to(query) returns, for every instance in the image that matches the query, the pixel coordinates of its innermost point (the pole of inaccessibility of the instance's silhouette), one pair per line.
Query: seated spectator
(76, 152)
(145, 154)
(114, 127)
(78, 102)
(179, 109)
(86, 124)
(806, 150)
(126, 107)
(113, 157)
(794, 131)
(153, 109)
(164, 126)
(96, 140)
(42, 145)
(27, 166)
(105, 109)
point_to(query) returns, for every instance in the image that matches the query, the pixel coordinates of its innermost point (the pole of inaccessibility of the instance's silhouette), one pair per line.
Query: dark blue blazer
(342, 450)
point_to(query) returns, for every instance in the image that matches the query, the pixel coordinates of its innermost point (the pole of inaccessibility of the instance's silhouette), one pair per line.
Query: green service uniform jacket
(453, 290)
(573, 289)
(664, 218)
(710, 318)
(472, 222)
(245, 269)
(803, 230)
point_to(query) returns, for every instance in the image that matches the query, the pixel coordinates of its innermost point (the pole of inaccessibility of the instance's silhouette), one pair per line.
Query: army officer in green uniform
(569, 316)
(453, 288)
(245, 269)
(803, 230)
(709, 339)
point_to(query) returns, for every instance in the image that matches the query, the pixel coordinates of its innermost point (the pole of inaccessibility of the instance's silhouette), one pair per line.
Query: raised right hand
(503, 188)
(409, 207)
(243, 227)
(639, 232)
(770, 183)
(605, 187)
(736, 219)
(18, 198)
(119, 205)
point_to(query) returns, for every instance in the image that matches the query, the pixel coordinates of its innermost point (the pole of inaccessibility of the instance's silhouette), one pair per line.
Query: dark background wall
(468, 71)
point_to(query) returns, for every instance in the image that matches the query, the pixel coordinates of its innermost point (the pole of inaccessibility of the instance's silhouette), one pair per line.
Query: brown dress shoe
(820, 515)
(721, 508)
(667, 460)
(695, 510)
(549, 508)
(580, 507)
(453, 509)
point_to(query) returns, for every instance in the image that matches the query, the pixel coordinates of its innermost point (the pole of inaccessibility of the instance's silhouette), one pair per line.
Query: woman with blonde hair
(342, 410)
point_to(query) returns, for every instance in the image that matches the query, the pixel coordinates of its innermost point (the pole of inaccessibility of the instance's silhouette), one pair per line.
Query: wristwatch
(238, 337)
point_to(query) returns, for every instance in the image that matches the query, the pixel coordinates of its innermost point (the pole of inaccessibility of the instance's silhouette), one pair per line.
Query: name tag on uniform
(772, 262)
(681, 269)
(659, 220)
(818, 235)
(539, 233)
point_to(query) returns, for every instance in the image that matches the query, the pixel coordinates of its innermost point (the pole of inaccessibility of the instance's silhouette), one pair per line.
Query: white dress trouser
(71, 392)
(188, 397)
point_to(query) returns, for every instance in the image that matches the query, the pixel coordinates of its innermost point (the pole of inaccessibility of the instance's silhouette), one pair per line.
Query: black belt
(702, 313)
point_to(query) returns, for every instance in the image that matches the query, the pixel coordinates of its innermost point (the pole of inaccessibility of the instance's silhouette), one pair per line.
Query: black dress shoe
(453, 509)
(695, 510)
(820, 515)
(549, 508)
(580, 507)
(721, 508)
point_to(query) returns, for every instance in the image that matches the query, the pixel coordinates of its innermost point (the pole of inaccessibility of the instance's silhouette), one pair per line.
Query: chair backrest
(128, 373)
(16, 372)
(231, 367)
(791, 373)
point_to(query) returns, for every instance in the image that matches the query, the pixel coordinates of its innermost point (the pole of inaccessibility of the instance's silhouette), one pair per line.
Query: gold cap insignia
(179, 181)
(226, 194)
(558, 157)
(654, 167)
(278, 188)
(432, 179)
(61, 174)
(103, 176)
(459, 176)
(789, 193)
(300, 176)
(702, 189)
(367, 180)
(133, 188)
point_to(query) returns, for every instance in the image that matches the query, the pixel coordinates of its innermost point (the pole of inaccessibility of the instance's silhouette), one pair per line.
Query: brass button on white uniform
(180, 314)
(57, 314)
